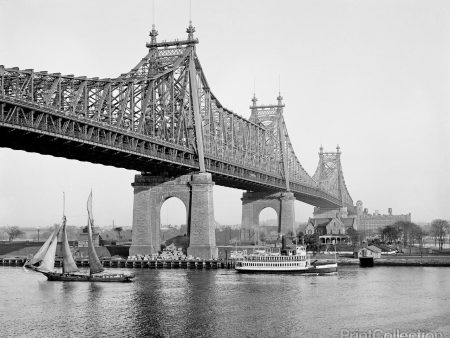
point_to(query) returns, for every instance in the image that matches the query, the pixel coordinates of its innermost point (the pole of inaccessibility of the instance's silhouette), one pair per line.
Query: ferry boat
(286, 261)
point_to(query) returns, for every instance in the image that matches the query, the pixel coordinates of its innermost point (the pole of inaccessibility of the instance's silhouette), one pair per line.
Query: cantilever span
(162, 118)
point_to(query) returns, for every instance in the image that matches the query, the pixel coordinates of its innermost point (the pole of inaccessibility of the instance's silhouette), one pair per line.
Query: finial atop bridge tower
(280, 104)
(280, 99)
(190, 30)
(338, 149)
(321, 150)
(153, 34)
(175, 43)
(254, 100)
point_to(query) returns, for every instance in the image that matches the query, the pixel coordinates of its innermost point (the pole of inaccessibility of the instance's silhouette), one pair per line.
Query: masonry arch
(267, 216)
(173, 217)
(162, 198)
(268, 222)
(172, 203)
(253, 205)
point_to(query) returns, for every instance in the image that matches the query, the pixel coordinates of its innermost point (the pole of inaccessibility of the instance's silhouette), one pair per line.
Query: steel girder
(163, 109)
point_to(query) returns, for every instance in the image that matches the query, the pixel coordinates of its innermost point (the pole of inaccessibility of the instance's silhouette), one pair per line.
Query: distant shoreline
(443, 261)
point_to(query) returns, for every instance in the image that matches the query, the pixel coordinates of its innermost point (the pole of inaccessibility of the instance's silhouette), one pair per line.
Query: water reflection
(221, 303)
(201, 310)
(148, 311)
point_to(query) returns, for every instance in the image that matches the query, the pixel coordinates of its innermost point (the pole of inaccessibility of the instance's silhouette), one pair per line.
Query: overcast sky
(371, 76)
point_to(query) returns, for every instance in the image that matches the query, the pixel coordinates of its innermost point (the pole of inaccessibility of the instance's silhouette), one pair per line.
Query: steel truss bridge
(161, 118)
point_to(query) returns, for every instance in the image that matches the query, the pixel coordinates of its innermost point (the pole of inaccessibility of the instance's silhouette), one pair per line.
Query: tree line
(409, 234)
(405, 233)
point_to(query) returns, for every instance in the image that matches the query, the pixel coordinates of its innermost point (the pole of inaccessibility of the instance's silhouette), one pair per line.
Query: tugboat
(70, 270)
(286, 261)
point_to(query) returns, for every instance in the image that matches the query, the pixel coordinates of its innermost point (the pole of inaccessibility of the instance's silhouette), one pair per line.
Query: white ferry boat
(287, 261)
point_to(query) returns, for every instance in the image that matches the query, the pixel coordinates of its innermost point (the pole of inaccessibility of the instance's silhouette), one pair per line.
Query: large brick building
(332, 224)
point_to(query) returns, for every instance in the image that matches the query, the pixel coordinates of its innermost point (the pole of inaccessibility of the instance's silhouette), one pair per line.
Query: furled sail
(48, 263)
(69, 264)
(43, 249)
(95, 266)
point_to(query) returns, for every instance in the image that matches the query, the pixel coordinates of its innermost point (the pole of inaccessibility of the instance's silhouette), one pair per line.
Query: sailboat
(70, 271)
(34, 262)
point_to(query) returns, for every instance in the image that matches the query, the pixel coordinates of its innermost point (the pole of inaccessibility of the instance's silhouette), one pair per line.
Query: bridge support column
(254, 202)
(202, 242)
(287, 213)
(195, 191)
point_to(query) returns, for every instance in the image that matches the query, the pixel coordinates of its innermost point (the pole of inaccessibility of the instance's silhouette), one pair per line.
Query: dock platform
(136, 264)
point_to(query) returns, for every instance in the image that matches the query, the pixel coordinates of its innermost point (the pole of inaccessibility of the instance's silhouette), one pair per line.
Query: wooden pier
(12, 261)
(138, 264)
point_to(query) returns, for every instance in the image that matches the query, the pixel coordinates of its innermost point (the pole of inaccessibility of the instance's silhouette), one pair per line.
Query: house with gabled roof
(330, 230)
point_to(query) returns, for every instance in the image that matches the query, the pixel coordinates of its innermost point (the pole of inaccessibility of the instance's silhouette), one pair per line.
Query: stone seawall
(443, 261)
(414, 261)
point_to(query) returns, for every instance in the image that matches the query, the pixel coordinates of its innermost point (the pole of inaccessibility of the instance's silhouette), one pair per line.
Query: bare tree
(418, 233)
(390, 234)
(14, 232)
(439, 229)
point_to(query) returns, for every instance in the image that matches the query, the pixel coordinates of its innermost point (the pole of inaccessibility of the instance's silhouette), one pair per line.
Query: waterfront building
(369, 224)
(370, 251)
(330, 230)
(332, 224)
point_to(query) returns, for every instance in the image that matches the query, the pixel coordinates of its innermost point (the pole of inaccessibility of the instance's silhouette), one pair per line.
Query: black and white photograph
(212, 168)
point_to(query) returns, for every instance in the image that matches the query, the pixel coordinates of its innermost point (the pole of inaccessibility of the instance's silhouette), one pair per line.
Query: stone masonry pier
(254, 202)
(195, 191)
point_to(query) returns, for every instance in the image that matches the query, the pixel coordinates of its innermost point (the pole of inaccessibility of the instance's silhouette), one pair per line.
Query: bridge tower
(329, 176)
(253, 202)
(152, 189)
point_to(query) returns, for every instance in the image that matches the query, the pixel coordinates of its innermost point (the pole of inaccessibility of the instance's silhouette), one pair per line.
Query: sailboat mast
(69, 264)
(95, 265)
(64, 225)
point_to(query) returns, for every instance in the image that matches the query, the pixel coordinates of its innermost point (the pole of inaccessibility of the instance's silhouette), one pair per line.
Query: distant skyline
(371, 76)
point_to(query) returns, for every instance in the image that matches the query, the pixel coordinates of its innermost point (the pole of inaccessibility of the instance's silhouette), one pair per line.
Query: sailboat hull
(72, 277)
(29, 266)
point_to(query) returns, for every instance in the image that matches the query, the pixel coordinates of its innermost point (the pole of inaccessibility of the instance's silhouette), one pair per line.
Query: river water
(222, 303)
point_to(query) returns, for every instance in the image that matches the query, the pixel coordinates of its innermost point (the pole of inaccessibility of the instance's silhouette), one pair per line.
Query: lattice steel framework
(160, 116)
(270, 117)
(330, 176)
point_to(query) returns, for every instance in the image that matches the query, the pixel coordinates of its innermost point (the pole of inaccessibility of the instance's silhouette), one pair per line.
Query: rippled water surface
(222, 303)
